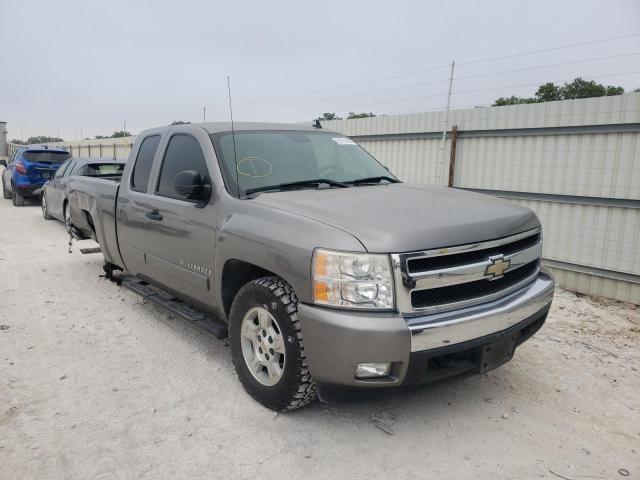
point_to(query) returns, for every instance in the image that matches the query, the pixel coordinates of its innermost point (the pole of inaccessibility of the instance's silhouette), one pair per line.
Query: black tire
(18, 198)
(6, 194)
(296, 388)
(45, 208)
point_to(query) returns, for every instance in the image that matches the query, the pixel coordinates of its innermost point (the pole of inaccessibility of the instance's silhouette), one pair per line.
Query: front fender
(275, 240)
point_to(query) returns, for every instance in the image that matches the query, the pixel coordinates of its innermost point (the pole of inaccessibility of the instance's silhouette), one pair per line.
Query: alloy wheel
(263, 347)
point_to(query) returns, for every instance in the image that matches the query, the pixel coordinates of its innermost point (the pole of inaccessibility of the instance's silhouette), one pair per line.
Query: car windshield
(272, 158)
(46, 156)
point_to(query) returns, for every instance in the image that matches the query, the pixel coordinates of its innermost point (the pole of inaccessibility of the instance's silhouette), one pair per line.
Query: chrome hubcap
(262, 346)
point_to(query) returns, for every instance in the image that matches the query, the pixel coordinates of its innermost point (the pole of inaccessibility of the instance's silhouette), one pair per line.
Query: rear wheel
(18, 198)
(266, 345)
(45, 210)
(6, 193)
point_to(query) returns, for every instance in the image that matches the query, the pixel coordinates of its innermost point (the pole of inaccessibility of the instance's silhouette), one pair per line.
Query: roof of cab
(217, 127)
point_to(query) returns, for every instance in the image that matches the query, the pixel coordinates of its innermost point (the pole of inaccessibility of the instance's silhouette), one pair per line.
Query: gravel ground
(96, 384)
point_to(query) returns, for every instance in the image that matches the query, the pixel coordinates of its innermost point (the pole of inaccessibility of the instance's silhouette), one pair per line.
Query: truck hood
(403, 217)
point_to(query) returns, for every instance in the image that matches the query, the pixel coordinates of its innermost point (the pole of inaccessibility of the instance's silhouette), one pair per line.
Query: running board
(175, 305)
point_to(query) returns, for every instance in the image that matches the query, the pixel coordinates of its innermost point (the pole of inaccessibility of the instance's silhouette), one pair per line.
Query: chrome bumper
(449, 328)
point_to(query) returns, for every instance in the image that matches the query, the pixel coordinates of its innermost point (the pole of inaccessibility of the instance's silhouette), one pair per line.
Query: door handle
(154, 215)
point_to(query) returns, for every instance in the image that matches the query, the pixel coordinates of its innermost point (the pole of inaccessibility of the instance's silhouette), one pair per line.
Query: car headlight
(352, 280)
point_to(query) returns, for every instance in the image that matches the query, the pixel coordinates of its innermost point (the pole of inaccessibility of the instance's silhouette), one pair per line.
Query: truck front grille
(454, 260)
(455, 277)
(467, 291)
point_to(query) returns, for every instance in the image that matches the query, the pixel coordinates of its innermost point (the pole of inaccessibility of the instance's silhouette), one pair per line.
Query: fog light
(372, 370)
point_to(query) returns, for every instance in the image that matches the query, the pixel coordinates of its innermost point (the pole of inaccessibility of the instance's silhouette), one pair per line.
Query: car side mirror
(190, 184)
(3, 163)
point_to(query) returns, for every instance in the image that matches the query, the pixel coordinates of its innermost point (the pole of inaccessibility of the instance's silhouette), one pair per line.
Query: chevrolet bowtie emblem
(497, 268)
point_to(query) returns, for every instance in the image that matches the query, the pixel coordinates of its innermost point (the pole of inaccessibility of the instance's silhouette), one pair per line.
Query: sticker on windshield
(343, 141)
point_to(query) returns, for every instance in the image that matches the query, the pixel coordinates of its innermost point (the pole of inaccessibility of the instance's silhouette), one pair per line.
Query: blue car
(28, 170)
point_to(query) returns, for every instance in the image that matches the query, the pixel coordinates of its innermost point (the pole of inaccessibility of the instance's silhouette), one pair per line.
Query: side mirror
(190, 184)
(3, 163)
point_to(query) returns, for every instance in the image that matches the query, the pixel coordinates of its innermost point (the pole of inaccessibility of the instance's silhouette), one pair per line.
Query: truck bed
(92, 202)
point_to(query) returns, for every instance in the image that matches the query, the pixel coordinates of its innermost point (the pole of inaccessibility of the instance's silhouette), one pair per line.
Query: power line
(369, 92)
(443, 94)
(548, 65)
(533, 52)
(441, 67)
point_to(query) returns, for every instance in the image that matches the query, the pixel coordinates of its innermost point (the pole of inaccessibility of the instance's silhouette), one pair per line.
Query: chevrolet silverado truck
(321, 265)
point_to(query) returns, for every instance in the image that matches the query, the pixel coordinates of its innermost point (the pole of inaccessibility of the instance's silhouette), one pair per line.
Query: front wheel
(266, 345)
(45, 208)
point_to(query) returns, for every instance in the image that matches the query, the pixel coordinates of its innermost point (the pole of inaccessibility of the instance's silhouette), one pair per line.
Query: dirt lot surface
(96, 384)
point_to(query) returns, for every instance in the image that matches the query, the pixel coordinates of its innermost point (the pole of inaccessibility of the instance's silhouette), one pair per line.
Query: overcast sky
(71, 65)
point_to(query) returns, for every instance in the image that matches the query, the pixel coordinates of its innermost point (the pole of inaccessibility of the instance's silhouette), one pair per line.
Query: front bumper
(337, 340)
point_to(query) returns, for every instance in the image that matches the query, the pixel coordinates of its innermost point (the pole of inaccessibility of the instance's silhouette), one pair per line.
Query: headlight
(352, 280)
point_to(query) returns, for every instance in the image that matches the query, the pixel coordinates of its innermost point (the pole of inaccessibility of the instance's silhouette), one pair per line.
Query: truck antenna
(233, 135)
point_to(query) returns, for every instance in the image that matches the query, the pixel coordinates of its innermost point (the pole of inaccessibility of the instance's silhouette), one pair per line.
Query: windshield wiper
(374, 180)
(301, 183)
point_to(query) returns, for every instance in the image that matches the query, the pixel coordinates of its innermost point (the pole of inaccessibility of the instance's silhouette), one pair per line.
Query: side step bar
(174, 305)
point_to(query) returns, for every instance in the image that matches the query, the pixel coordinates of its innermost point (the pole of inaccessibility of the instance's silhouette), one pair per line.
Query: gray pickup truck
(323, 266)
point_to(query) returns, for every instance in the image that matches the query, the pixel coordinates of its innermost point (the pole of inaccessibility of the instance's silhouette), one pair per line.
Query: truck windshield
(275, 158)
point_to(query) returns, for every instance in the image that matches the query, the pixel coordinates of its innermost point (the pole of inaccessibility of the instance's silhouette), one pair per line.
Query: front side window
(70, 168)
(144, 162)
(183, 153)
(266, 158)
(62, 168)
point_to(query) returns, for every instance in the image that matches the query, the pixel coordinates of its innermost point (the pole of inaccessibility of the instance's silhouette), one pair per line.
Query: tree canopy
(179, 122)
(360, 115)
(333, 116)
(120, 134)
(37, 139)
(549, 92)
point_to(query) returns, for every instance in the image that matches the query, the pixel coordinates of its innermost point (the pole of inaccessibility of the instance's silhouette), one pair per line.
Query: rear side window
(183, 153)
(144, 162)
(46, 157)
(101, 169)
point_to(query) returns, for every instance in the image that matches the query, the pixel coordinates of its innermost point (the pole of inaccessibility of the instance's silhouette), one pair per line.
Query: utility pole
(124, 140)
(440, 170)
(446, 125)
(204, 114)
(21, 134)
(81, 134)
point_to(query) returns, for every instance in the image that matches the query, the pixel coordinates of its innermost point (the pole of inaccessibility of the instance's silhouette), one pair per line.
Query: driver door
(180, 232)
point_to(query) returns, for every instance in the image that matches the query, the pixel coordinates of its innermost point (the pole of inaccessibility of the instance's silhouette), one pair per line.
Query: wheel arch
(235, 274)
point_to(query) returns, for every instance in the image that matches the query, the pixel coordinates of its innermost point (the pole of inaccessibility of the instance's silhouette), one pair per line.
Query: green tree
(179, 122)
(16, 141)
(549, 92)
(360, 115)
(513, 100)
(120, 134)
(42, 139)
(100, 137)
(329, 116)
